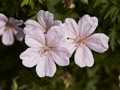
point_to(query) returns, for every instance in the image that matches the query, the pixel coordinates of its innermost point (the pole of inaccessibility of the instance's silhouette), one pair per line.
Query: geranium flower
(81, 40)
(8, 27)
(44, 22)
(45, 50)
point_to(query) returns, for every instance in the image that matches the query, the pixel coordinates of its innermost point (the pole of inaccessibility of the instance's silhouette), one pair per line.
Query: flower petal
(19, 33)
(3, 18)
(45, 19)
(60, 55)
(73, 30)
(46, 67)
(36, 39)
(97, 42)
(56, 36)
(56, 23)
(83, 56)
(2, 30)
(31, 25)
(70, 45)
(30, 57)
(3, 21)
(87, 25)
(2, 24)
(15, 22)
(8, 38)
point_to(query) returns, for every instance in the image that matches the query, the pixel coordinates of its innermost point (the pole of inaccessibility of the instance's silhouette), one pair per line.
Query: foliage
(102, 76)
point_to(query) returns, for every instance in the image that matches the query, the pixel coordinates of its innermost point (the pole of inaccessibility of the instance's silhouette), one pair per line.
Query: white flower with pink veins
(45, 50)
(81, 40)
(45, 20)
(8, 27)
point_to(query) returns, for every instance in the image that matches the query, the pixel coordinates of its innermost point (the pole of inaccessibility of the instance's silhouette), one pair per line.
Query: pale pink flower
(45, 20)
(8, 27)
(81, 40)
(45, 50)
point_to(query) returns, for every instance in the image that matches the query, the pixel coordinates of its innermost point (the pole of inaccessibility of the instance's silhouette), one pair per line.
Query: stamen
(71, 38)
(44, 51)
(79, 41)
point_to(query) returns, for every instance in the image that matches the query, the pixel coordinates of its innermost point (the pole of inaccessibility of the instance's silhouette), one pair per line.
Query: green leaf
(112, 36)
(119, 18)
(32, 4)
(15, 85)
(98, 2)
(113, 12)
(54, 7)
(69, 14)
(23, 87)
(25, 2)
(114, 2)
(84, 1)
(91, 72)
(40, 1)
(28, 2)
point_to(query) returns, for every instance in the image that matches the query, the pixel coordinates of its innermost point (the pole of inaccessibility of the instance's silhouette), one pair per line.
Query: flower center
(78, 41)
(45, 32)
(8, 26)
(45, 50)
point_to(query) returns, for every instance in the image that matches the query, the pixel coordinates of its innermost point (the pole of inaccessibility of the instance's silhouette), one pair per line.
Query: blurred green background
(106, 69)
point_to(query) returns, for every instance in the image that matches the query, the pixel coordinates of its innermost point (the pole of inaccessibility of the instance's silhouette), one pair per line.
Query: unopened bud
(72, 6)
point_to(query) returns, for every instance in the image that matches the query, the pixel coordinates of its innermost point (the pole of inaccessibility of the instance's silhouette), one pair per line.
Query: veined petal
(31, 25)
(36, 39)
(2, 30)
(30, 57)
(3, 18)
(60, 55)
(73, 30)
(3, 21)
(83, 56)
(56, 36)
(56, 23)
(45, 19)
(70, 45)
(8, 38)
(15, 22)
(35, 33)
(46, 67)
(29, 30)
(87, 25)
(98, 42)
